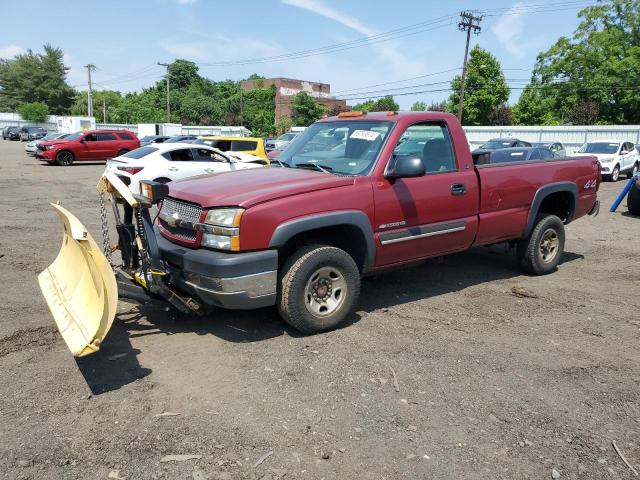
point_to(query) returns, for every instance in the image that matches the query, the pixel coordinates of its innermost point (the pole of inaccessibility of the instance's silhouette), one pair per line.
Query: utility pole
(104, 111)
(167, 77)
(468, 22)
(90, 67)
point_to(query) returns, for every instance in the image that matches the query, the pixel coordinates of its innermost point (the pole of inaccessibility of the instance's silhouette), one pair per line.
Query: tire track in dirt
(28, 338)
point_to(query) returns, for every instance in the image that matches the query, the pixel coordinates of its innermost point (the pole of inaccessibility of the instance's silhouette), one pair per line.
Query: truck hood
(245, 188)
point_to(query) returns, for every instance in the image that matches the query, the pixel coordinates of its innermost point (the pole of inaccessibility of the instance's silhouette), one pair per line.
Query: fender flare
(542, 193)
(287, 230)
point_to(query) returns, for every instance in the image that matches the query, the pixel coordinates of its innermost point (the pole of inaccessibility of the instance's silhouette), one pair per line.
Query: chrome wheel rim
(615, 174)
(65, 158)
(325, 291)
(549, 245)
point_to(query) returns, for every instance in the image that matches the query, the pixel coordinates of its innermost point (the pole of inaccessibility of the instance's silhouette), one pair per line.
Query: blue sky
(125, 39)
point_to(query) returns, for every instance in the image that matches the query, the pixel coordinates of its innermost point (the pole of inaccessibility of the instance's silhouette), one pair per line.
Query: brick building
(286, 88)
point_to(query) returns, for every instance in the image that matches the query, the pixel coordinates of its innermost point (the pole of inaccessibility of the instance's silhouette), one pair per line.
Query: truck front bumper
(238, 281)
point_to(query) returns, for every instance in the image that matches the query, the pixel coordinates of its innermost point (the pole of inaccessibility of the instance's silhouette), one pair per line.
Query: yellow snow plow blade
(80, 288)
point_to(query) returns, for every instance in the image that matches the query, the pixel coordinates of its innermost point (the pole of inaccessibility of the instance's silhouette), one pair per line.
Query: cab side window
(432, 143)
(104, 137)
(92, 137)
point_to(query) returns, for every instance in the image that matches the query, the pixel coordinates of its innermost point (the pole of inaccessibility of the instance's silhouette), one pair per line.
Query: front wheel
(64, 158)
(318, 288)
(540, 252)
(615, 174)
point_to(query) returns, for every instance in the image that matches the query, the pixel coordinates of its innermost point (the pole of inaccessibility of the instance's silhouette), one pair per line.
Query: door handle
(458, 189)
(172, 169)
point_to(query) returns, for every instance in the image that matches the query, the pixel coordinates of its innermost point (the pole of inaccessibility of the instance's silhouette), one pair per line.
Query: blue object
(623, 194)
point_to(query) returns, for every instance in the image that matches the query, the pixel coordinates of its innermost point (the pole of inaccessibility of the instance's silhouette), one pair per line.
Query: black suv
(32, 133)
(11, 133)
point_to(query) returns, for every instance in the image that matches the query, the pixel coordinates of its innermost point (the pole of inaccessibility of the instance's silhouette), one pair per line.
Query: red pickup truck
(89, 145)
(353, 195)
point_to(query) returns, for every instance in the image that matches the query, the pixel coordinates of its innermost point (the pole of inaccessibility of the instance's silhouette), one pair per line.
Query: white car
(615, 157)
(165, 162)
(32, 147)
(280, 142)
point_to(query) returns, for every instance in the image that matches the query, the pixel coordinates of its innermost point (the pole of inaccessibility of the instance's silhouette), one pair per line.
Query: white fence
(218, 130)
(118, 126)
(572, 137)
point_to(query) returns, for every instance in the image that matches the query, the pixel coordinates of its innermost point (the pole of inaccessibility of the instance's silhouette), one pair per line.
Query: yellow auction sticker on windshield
(364, 135)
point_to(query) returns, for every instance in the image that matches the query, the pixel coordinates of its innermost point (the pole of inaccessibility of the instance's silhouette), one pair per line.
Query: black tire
(633, 200)
(64, 158)
(162, 180)
(633, 171)
(296, 304)
(122, 152)
(615, 174)
(547, 231)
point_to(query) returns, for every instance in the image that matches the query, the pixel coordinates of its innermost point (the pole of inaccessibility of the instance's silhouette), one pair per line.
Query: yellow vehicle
(251, 145)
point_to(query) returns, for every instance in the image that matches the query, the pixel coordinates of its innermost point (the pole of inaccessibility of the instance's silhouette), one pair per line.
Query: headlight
(606, 160)
(49, 147)
(224, 217)
(224, 231)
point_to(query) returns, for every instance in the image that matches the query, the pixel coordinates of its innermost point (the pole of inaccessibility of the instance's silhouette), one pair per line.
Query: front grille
(187, 212)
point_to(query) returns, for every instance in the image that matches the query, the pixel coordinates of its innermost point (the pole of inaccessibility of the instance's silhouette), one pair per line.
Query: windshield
(599, 147)
(140, 152)
(52, 136)
(148, 138)
(496, 144)
(342, 147)
(287, 136)
(75, 136)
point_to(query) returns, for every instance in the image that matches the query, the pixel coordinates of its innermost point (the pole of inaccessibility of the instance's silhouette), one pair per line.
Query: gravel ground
(443, 373)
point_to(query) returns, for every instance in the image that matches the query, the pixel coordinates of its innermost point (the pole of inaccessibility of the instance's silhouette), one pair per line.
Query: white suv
(615, 157)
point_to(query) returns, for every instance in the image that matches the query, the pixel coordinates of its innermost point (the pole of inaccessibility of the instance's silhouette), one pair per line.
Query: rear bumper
(239, 281)
(595, 209)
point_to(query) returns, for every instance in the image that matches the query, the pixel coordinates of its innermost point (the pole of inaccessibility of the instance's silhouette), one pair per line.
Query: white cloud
(509, 29)
(10, 51)
(389, 51)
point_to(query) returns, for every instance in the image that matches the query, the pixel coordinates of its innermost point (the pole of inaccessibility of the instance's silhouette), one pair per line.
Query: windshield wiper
(314, 165)
(283, 165)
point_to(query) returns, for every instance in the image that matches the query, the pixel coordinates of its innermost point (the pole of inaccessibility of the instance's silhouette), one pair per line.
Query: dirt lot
(487, 385)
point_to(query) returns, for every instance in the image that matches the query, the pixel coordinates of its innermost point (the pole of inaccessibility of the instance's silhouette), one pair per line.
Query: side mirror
(623, 152)
(82, 140)
(405, 166)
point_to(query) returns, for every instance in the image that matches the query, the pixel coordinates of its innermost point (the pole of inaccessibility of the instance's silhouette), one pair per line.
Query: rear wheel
(318, 288)
(633, 200)
(633, 171)
(122, 152)
(540, 253)
(64, 158)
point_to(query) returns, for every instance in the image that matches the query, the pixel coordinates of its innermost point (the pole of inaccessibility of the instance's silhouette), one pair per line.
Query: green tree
(533, 109)
(105, 104)
(364, 106)
(35, 77)
(34, 112)
(182, 73)
(283, 125)
(485, 88)
(305, 110)
(501, 115)
(599, 64)
(384, 104)
(419, 107)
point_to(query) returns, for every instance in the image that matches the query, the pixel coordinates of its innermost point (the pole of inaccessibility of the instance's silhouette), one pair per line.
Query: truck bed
(507, 190)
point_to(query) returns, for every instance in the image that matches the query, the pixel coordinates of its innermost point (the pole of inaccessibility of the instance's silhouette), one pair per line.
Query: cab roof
(393, 116)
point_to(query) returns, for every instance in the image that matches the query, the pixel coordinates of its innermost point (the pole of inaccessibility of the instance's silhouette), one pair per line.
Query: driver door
(429, 215)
